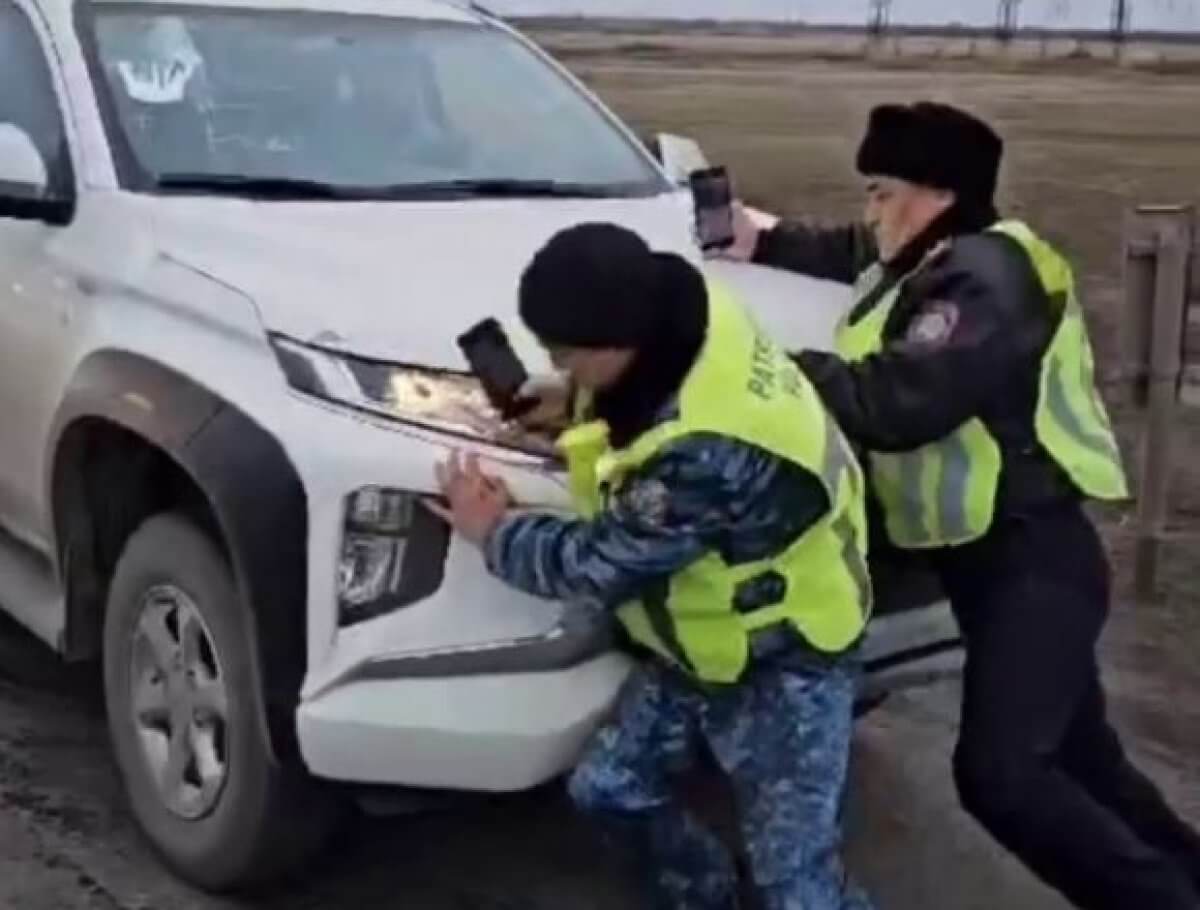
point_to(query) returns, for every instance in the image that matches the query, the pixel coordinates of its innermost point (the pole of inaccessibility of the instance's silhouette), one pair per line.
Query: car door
(34, 294)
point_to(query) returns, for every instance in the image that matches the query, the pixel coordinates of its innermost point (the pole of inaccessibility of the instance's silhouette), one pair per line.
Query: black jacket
(965, 339)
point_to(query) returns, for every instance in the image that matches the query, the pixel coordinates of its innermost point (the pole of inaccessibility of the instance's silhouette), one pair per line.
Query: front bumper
(497, 716)
(488, 732)
(476, 687)
(910, 648)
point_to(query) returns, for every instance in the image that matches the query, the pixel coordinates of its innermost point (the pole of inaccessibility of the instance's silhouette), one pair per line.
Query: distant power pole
(1007, 15)
(880, 16)
(1122, 13)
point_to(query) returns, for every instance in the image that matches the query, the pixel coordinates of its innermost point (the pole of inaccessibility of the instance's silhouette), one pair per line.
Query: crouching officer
(964, 369)
(722, 519)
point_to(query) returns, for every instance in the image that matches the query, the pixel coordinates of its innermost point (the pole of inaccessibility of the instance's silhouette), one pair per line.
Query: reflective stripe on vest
(940, 494)
(839, 467)
(944, 493)
(1072, 421)
(744, 387)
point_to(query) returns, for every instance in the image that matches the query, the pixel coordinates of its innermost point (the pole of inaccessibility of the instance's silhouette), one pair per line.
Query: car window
(348, 100)
(27, 97)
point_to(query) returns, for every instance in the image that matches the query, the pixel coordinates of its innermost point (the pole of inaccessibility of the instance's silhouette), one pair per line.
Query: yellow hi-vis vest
(944, 494)
(743, 386)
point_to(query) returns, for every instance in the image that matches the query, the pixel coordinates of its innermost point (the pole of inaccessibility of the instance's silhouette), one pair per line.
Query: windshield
(218, 99)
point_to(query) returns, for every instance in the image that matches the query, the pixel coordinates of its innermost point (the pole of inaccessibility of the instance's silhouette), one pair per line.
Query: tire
(231, 817)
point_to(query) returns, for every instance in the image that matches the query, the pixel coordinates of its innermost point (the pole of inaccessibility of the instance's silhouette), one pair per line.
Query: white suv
(237, 241)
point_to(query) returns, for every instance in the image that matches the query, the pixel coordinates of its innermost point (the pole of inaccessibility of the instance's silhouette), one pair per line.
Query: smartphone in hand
(498, 368)
(712, 192)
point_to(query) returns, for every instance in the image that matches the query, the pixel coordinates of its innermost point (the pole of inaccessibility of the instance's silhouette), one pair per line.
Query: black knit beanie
(933, 145)
(601, 286)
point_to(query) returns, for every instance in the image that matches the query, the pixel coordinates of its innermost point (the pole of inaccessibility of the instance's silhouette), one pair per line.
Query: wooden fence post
(1189, 393)
(1158, 259)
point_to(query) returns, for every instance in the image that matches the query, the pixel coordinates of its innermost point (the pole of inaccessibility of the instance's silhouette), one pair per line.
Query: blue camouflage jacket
(701, 493)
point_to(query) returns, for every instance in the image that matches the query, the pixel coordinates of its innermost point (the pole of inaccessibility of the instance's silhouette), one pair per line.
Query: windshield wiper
(253, 187)
(294, 188)
(506, 187)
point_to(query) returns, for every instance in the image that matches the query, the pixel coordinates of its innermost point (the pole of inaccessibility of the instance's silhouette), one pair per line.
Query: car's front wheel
(186, 717)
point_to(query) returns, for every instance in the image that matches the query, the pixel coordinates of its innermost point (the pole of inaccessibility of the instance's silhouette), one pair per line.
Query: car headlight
(438, 399)
(415, 394)
(393, 553)
(393, 549)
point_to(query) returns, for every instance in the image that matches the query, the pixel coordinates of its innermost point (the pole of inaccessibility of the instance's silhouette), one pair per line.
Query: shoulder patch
(647, 499)
(934, 324)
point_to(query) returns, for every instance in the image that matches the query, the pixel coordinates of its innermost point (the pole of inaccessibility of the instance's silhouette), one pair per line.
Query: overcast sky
(1168, 15)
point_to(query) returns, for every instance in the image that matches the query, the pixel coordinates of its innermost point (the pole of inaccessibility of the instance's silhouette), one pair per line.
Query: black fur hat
(934, 145)
(600, 285)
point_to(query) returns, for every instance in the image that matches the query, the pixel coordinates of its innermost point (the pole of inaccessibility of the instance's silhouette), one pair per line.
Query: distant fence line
(1008, 23)
(880, 31)
(1007, 26)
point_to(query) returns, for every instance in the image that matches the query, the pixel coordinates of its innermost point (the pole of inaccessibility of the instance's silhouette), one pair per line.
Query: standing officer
(964, 370)
(722, 519)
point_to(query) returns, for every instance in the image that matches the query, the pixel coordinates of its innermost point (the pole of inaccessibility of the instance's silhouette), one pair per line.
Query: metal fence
(1116, 20)
(1012, 18)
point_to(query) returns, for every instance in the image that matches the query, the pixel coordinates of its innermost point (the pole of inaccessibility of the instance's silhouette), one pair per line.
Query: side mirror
(22, 170)
(24, 181)
(679, 156)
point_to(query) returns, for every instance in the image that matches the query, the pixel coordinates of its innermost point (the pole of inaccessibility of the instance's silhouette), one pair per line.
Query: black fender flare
(251, 487)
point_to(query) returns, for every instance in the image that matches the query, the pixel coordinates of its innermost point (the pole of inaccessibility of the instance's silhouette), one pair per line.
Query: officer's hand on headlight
(477, 501)
(553, 408)
(748, 224)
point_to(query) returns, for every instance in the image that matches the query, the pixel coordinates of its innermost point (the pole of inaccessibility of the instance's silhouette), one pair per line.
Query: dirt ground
(1085, 143)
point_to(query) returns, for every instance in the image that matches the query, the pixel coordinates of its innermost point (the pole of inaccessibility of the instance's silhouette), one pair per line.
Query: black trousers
(1037, 763)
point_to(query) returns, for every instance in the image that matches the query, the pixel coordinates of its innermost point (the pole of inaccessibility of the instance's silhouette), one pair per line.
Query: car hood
(394, 281)
(400, 281)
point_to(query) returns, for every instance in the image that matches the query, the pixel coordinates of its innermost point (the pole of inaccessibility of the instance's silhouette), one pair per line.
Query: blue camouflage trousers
(782, 736)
